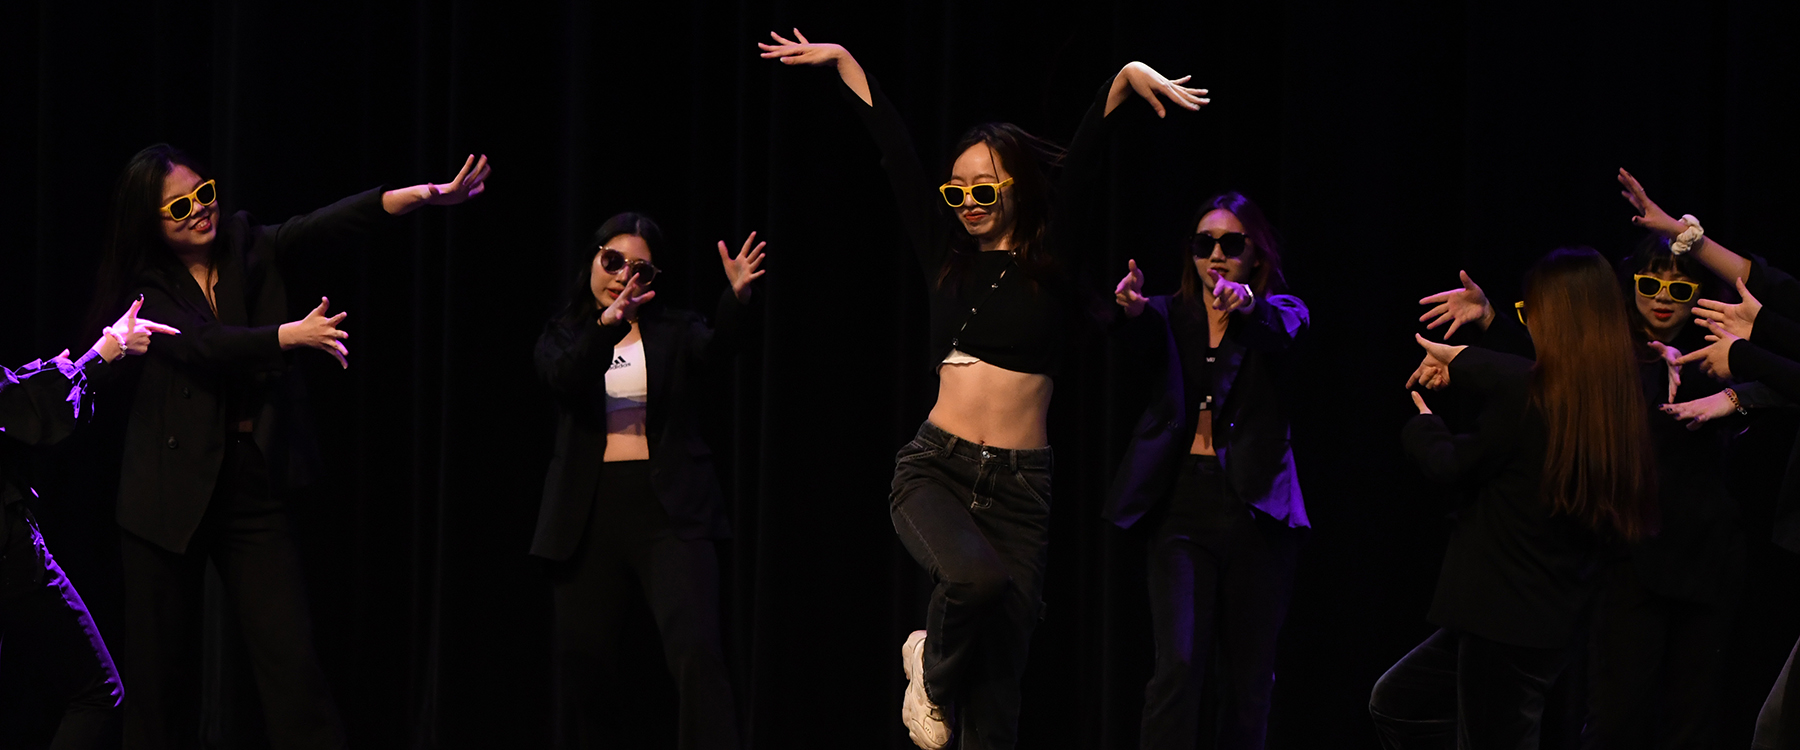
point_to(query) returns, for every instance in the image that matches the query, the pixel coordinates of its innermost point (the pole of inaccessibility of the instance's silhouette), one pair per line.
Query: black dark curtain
(1391, 143)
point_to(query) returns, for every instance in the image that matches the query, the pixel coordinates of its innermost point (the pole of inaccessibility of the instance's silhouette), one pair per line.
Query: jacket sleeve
(913, 192)
(714, 346)
(1776, 332)
(1273, 324)
(1080, 171)
(571, 361)
(1488, 372)
(1449, 457)
(352, 217)
(1752, 362)
(1507, 335)
(1774, 288)
(42, 402)
(206, 343)
(1755, 395)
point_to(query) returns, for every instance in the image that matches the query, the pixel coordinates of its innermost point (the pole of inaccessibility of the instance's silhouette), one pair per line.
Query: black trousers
(45, 632)
(978, 520)
(1221, 575)
(628, 536)
(1778, 725)
(244, 533)
(1657, 667)
(1460, 690)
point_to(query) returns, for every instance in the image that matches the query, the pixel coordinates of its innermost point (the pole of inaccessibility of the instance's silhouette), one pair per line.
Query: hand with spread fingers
(1739, 319)
(469, 182)
(1458, 307)
(624, 307)
(743, 268)
(1714, 358)
(1698, 412)
(1153, 87)
(1650, 216)
(1129, 294)
(315, 331)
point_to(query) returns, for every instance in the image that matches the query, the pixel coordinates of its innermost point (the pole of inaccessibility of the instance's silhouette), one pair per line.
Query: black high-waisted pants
(629, 536)
(978, 520)
(245, 533)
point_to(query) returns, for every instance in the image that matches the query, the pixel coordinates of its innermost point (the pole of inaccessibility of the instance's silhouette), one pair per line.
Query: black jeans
(1657, 667)
(1460, 690)
(245, 534)
(53, 639)
(628, 536)
(1221, 574)
(978, 520)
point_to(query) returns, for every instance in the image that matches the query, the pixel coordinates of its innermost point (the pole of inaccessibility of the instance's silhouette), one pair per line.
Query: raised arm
(718, 344)
(1725, 263)
(913, 192)
(468, 183)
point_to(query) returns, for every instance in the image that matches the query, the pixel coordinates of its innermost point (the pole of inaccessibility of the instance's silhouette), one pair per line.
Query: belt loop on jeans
(949, 447)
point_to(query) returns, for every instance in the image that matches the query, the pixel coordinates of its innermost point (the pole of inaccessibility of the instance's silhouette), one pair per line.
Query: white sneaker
(923, 719)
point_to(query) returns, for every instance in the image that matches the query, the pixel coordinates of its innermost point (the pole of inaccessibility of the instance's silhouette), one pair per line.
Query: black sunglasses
(613, 261)
(1233, 243)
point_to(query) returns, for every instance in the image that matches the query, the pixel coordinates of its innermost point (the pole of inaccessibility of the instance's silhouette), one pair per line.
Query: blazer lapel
(1228, 358)
(228, 293)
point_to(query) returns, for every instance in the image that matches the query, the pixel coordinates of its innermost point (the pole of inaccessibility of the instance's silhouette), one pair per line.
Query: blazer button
(172, 442)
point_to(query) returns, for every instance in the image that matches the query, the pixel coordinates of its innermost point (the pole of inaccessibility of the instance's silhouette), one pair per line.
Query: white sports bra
(627, 380)
(959, 357)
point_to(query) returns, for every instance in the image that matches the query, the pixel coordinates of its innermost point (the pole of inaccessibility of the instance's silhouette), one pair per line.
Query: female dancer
(195, 486)
(626, 381)
(971, 492)
(41, 615)
(1561, 460)
(1210, 466)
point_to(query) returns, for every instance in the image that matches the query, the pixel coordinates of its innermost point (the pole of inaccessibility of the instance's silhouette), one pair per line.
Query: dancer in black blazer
(195, 485)
(1210, 469)
(1560, 463)
(631, 492)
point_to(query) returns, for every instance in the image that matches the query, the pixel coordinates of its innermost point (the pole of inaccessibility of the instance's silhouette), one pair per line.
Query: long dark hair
(1652, 256)
(134, 239)
(1257, 229)
(581, 295)
(1028, 159)
(1599, 464)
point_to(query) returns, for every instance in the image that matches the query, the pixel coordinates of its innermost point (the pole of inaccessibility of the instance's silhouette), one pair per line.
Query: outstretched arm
(1722, 262)
(803, 52)
(468, 183)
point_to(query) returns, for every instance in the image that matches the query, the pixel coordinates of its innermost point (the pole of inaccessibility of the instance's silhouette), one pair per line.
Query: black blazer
(1513, 572)
(175, 436)
(678, 345)
(40, 404)
(1250, 382)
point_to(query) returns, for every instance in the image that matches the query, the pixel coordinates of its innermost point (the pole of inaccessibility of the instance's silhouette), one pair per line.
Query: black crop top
(992, 309)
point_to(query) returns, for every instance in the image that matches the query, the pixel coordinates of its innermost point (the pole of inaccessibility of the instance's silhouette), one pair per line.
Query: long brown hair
(1262, 248)
(1599, 465)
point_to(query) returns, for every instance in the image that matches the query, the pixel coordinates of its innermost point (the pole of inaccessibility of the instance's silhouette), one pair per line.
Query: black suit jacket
(1250, 380)
(678, 345)
(175, 437)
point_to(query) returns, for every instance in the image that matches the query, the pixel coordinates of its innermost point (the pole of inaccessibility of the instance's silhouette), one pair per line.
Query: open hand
(1714, 358)
(744, 268)
(468, 183)
(1458, 306)
(800, 52)
(318, 332)
(1227, 295)
(1153, 87)
(1739, 319)
(1129, 294)
(1701, 410)
(1650, 216)
(624, 308)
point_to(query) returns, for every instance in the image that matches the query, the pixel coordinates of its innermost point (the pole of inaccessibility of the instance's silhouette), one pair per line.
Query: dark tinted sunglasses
(1680, 291)
(613, 261)
(183, 207)
(1233, 243)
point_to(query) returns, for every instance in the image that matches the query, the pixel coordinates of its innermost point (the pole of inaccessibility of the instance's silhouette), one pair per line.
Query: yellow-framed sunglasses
(1519, 310)
(183, 207)
(985, 193)
(1650, 286)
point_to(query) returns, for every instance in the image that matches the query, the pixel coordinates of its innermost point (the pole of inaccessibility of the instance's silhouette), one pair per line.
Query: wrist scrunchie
(1689, 237)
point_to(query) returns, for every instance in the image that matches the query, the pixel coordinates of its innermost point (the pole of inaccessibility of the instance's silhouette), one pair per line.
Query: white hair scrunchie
(1689, 237)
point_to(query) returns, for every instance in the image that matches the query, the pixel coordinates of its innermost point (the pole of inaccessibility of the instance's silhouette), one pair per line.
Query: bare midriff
(993, 406)
(625, 436)
(1203, 433)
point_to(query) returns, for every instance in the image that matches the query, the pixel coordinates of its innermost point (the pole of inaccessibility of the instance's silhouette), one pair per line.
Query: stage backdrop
(1391, 144)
